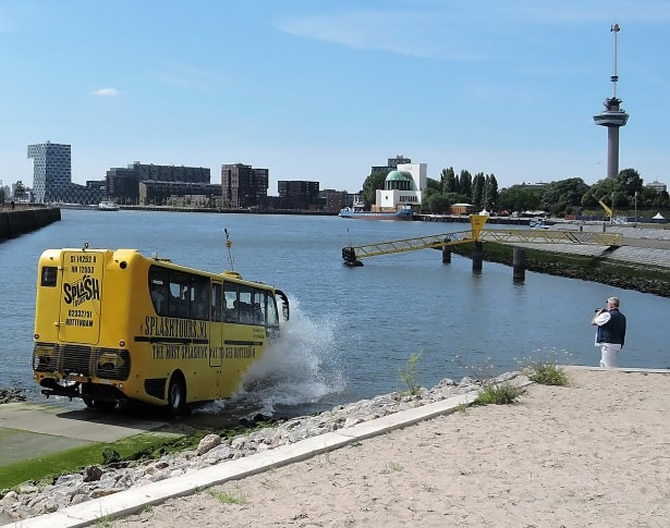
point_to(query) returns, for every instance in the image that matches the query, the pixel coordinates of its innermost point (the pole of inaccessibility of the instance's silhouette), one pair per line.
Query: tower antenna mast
(613, 117)
(615, 77)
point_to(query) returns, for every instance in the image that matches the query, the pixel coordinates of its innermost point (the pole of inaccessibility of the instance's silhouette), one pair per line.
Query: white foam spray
(300, 368)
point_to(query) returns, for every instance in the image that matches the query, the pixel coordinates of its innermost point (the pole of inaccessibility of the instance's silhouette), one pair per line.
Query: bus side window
(259, 307)
(200, 290)
(178, 304)
(174, 300)
(230, 304)
(217, 313)
(158, 297)
(246, 306)
(158, 289)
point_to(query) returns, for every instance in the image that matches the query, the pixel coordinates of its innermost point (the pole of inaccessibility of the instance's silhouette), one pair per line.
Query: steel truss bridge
(352, 254)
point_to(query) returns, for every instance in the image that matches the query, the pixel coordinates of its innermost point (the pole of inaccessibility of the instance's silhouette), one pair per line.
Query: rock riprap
(12, 395)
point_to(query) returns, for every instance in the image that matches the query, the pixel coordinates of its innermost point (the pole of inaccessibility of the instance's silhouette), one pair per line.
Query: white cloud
(460, 31)
(409, 33)
(106, 92)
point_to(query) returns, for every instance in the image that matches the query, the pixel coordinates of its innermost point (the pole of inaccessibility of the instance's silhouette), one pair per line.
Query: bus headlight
(44, 358)
(111, 360)
(112, 363)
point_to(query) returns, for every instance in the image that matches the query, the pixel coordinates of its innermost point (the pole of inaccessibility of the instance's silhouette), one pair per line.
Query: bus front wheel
(177, 395)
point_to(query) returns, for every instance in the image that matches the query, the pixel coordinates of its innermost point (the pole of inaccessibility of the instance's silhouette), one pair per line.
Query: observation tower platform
(613, 116)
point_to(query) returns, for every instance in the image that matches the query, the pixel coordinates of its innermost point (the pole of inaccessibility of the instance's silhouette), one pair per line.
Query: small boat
(108, 206)
(406, 213)
(84, 207)
(538, 223)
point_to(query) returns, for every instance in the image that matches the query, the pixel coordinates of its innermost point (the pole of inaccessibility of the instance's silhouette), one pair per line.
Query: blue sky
(322, 90)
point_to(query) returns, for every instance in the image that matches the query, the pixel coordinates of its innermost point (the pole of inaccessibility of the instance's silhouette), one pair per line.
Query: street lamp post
(635, 225)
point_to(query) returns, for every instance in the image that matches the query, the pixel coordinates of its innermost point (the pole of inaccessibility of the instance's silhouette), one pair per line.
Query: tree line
(559, 198)
(480, 190)
(626, 191)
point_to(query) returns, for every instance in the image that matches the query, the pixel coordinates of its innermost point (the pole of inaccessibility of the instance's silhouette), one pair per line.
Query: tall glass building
(52, 176)
(52, 170)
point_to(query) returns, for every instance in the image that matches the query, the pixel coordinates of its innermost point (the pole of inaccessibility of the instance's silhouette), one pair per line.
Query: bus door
(216, 326)
(80, 305)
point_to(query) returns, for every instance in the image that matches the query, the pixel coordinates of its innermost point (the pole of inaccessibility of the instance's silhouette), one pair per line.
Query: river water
(352, 329)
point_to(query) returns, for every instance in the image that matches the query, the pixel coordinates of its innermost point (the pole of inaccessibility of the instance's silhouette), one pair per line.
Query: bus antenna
(229, 244)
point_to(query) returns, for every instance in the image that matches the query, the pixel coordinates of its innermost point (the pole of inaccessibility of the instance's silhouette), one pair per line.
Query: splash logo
(83, 290)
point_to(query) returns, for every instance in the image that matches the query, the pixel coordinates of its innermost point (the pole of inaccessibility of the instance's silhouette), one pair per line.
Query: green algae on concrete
(44, 440)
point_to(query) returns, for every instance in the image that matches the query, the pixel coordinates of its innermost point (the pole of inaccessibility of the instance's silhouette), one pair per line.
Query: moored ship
(405, 213)
(108, 206)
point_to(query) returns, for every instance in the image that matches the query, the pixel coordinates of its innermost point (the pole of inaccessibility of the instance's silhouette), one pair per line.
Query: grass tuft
(408, 374)
(547, 374)
(228, 498)
(103, 522)
(498, 394)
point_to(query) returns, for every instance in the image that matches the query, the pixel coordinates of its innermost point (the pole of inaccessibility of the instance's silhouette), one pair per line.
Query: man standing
(611, 332)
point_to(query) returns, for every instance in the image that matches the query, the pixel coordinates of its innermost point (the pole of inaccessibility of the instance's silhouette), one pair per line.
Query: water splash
(300, 368)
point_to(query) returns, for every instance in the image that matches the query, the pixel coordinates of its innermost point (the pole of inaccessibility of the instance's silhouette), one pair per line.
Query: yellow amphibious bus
(112, 326)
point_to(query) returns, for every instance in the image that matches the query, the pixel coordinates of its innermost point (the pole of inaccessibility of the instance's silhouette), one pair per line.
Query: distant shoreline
(225, 211)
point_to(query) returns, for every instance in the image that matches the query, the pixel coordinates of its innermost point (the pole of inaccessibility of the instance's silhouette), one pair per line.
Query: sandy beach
(595, 453)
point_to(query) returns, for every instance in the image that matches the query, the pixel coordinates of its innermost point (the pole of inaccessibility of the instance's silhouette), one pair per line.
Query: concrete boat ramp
(29, 430)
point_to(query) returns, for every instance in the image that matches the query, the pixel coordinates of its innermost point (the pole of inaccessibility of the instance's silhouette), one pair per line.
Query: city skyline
(322, 92)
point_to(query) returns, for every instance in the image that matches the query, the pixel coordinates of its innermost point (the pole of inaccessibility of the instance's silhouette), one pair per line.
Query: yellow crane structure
(352, 254)
(608, 211)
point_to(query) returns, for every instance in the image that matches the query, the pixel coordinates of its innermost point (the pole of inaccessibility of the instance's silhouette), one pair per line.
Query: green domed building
(403, 188)
(400, 180)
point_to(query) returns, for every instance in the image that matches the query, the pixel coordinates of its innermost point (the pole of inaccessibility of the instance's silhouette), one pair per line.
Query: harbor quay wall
(465, 219)
(601, 265)
(15, 222)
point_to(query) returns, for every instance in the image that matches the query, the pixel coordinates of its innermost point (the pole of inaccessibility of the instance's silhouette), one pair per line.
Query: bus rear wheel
(177, 396)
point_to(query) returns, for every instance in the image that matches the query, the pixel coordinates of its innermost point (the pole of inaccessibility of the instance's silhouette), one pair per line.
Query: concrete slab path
(29, 430)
